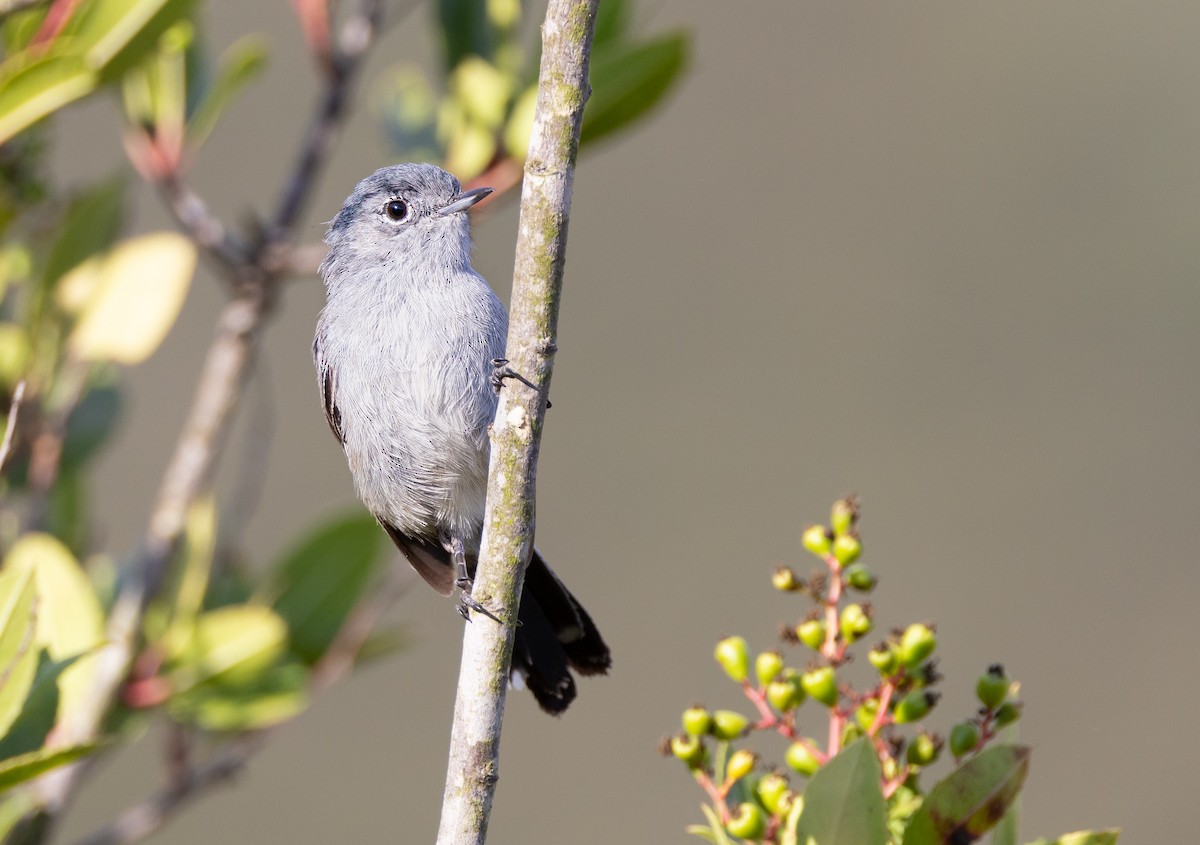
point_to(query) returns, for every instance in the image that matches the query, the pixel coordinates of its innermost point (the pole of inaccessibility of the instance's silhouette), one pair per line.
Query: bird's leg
(501, 371)
(465, 601)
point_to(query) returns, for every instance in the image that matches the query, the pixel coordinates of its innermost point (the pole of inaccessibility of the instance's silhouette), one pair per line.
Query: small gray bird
(408, 351)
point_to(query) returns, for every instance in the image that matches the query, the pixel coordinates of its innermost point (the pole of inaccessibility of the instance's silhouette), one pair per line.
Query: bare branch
(516, 432)
(10, 428)
(186, 785)
(141, 820)
(226, 369)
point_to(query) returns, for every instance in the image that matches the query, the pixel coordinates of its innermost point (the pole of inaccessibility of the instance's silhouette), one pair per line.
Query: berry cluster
(754, 802)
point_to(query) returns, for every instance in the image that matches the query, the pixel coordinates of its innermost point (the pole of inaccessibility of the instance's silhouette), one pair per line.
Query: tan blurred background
(942, 254)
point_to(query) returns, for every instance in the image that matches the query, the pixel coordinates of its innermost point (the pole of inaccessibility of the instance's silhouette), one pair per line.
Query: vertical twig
(516, 432)
(10, 428)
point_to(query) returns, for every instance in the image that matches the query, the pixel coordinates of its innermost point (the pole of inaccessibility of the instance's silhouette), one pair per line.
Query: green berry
(916, 643)
(773, 793)
(883, 658)
(821, 684)
(850, 733)
(728, 724)
(785, 580)
(859, 577)
(1008, 713)
(741, 763)
(866, 712)
(801, 759)
(846, 548)
(844, 515)
(914, 706)
(697, 721)
(748, 822)
(734, 656)
(689, 749)
(811, 632)
(785, 693)
(964, 738)
(856, 622)
(992, 687)
(767, 665)
(923, 749)
(817, 540)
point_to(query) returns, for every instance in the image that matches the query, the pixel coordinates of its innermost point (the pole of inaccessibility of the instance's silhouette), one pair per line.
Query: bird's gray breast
(414, 394)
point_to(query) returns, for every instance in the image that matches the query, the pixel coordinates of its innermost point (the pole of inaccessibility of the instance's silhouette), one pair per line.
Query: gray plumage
(404, 352)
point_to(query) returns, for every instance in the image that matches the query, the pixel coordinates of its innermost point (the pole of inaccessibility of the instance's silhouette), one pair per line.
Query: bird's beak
(464, 201)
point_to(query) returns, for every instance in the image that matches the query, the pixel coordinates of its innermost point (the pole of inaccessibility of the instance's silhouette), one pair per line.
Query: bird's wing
(431, 561)
(327, 383)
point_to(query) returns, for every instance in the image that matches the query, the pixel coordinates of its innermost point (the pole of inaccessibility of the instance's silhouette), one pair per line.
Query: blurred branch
(10, 427)
(507, 542)
(225, 372)
(142, 819)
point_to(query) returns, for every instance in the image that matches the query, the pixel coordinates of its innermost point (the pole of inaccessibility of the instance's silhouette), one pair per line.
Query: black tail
(556, 635)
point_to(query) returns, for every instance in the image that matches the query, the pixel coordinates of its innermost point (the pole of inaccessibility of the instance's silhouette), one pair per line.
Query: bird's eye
(396, 210)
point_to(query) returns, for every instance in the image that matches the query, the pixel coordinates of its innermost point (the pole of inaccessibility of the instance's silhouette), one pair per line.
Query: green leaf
(612, 22)
(843, 803)
(18, 657)
(173, 617)
(273, 697)
(233, 645)
(716, 831)
(70, 621)
(14, 807)
(114, 35)
(25, 767)
(88, 228)
(137, 295)
(1008, 828)
(972, 799)
(318, 582)
(40, 711)
(241, 63)
(466, 30)
(91, 423)
(32, 88)
(628, 80)
(1084, 837)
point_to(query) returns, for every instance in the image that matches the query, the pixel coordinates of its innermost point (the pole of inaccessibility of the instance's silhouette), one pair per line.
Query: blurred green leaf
(41, 709)
(232, 645)
(33, 87)
(520, 124)
(1083, 837)
(273, 697)
(466, 30)
(18, 656)
(316, 584)
(407, 108)
(612, 23)
(114, 35)
(629, 79)
(17, 770)
(88, 227)
(172, 618)
(13, 807)
(843, 803)
(91, 423)
(67, 514)
(70, 621)
(241, 63)
(1009, 827)
(715, 832)
(382, 643)
(141, 288)
(972, 799)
